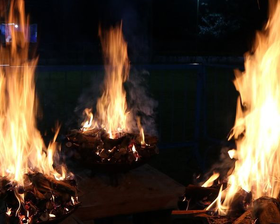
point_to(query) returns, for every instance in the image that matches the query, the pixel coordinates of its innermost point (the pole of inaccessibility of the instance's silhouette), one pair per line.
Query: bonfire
(109, 135)
(31, 190)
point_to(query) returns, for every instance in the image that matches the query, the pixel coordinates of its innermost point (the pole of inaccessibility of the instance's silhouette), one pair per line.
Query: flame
(141, 131)
(217, 203)
(9, 211)
(257, 169)
(211, 180)
(111, 106)
(232, 154)
(22, 147)
(88, 123)
(135, 153)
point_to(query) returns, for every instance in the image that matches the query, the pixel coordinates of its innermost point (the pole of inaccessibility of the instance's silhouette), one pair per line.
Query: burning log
(108, 138)
(41, 199)
(95, 148)
(35, 197)
(267, 210)
(197, 197)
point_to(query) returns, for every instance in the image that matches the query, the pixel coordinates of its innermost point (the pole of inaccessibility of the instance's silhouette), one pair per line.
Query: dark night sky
(151, 27)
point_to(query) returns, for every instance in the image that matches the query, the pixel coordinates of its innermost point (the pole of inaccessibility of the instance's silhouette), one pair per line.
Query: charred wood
(266, 210)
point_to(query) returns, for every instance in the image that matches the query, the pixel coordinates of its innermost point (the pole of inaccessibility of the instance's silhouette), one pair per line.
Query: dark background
(67, 29)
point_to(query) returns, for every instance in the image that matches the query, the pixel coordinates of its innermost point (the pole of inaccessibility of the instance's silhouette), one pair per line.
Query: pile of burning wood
(41, 199)
(250, 192)
(244, 210)
(95, 147)
(31, 189)
(114, 134)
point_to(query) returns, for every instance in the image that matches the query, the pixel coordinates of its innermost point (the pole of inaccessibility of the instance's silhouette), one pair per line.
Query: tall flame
(111, 107)
(257, 169)
(21, 146)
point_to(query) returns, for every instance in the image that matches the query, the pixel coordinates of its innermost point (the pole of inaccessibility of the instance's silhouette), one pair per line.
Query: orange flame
(257, 169)
(135, 153)
(88, 123)
(111, 106)
(21, 145)
(211, 180)
(142, 135)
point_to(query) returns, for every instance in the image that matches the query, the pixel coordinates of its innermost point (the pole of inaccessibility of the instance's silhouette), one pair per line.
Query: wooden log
(188, 212)
(197, 197)
(241, 201)
(197, 192)
(245, 218)
(266, 210)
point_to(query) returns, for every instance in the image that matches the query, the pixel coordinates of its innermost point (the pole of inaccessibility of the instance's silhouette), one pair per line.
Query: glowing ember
(135, 153)
(257, 169)
(9, 211)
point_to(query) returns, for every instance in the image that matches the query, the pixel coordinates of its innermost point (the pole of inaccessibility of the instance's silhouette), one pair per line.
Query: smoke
(225, 165)
(140, 102)
(87, 99)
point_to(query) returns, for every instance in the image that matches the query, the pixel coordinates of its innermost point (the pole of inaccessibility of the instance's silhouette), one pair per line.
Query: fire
(210, 181)
(257, 169)
(111, 106)
(135, 153)
(232, 154)
(22, 147)
(142, 135)
(111, 109)
(87, 124)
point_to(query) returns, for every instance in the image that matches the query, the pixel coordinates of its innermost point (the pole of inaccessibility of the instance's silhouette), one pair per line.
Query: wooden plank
(188, 212)
(140, 190)
(245, 218)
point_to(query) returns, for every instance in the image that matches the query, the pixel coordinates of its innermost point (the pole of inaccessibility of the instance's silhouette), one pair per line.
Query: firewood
(197, 197)
(240, 203)
(44, 217)
(266, 210)
(188, 212)
(94, 148)
(43, 195)
(198, 193)
(245, 218)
